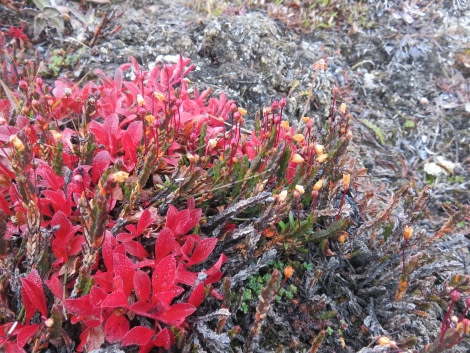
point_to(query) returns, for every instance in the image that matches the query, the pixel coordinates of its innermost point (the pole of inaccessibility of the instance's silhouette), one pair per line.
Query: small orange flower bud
(56, 135)
(140, 100)
(242, 111)
(288, 271)
(385, 341)
(297, 159)
(285, 124)
(282, 196)
(463, 327)
(193, 157)
(343, 237)
(407, 232)
(322, 158)
(160, 96)
(318, 185)
(150, 118)
(319, 149)
(342, 108)
(305, 119)
(300, 189)
(120, 177)
(298, 138)
(212, 143)
(346, 181)
(16, 142)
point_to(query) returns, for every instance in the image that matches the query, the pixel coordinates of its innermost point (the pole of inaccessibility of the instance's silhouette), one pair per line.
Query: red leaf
(165, 243)
(131, 139)
(139, 335)
(176, 314)
(33, 295)
(172, 218)
(163, 339)
(124, 237)
(104, 280)
(185, 276)
(51, 179)
(180, 222)
(115, 300)
(91, 339)
(203, 250)
(145, 220)
(143, 308)
(136, 249)
(167, 297)
(25, 334)
(107, 250)
(97, 295)
(79, 306)
(55, 285)
(217, 295)
(124, 268)
(116, 327)
(60, 219)
(142, 285)
(197, 296)
(6, 131)
(216, 267)
(101, 161)
(164, 274)
(12, 347)
(58, 201)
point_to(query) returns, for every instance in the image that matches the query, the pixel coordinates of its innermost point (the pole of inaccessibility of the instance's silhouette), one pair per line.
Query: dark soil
(406, 82)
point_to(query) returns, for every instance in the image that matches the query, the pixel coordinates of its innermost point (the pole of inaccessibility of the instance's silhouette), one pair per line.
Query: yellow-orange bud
(17, 143)
(342, 237)
(300, 189)
(305, 119)
(150, 118)
(212, 143)
(160, 96)
(56, 135)
(385, 341)
(298, 138)
(140, 100)
(322, 158)
(346, 181)
(342, 108)
(282, 196)
(285, 124)
(120, 177)
(318, 185)
(297, 159)
(242, 111)
(319, 149)
(407, 232)
(288, 271)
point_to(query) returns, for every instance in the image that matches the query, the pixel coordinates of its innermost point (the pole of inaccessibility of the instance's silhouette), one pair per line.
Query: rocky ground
(403, 69)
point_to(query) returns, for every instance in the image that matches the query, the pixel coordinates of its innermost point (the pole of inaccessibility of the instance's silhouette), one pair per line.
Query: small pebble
(466, 107)
(423, 101)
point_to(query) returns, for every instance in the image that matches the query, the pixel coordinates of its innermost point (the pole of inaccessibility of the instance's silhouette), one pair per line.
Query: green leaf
(409, 124)
(333, 230)
(375, 129)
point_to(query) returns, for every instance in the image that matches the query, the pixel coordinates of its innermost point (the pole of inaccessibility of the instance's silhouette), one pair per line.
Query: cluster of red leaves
(46, 176)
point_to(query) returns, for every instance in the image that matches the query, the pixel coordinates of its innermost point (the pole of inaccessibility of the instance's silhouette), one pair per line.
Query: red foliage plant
(77, 157)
